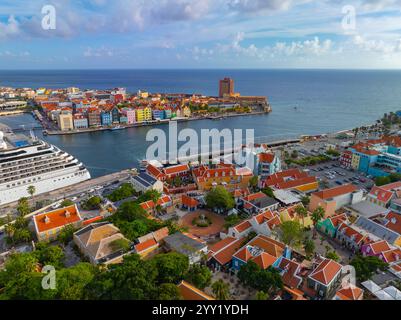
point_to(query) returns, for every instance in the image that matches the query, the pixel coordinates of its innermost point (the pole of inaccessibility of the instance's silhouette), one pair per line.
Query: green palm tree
(31, 190)
(301, 212)
(317, 215)
(221, 290)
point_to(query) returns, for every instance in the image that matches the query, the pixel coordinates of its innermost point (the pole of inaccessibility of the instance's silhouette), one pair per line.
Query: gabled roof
(189, 292)
(155, 172)
(224, 250)
(176, 169)
(242, 226)
(143, 246)
(381, 194)
(97, 239)
(188, 201)
(289, 179)
(338, 219)
(379, 246)
(350, 293)
(326, 271)
(290, 270)
(335, 192)
(394, 222)
(351, 233)
(264, 260)
(392, 255)
(57, 218)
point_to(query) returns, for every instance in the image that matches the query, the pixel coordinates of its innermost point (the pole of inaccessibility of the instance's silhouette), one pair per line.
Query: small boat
(117, 128)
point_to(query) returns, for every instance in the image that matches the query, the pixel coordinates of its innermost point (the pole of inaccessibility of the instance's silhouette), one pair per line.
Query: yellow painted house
(355, 161)
(186, 111)
(289, 214)
(143, 114)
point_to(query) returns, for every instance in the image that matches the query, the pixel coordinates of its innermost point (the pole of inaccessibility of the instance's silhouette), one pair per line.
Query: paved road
(71, 191)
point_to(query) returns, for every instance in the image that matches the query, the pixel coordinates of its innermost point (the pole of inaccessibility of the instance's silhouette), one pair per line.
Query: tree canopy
(219, 198)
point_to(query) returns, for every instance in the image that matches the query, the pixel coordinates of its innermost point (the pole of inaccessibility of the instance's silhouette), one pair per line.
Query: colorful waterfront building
(106, 118)
(168, 113)
(80, 121)
(143, 114)
(115, 115)
(65, 121)
(186, 112)
(130, 114)
(158, 114)
(94, 119)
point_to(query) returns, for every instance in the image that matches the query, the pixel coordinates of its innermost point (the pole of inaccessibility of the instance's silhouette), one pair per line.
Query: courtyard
(216, 226)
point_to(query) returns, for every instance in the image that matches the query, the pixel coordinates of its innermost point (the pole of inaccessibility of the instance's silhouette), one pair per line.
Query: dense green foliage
(219, 198)
(133, 279)
(291, 233)
(125, 191)
(268, 280)
(394, 177)
(93, 203)
(200, 276)
(365, 267)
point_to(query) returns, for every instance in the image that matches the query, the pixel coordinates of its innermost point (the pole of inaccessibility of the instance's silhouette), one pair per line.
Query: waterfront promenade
(152, 123)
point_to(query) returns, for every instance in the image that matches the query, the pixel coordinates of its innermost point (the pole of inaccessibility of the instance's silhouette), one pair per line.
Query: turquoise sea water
(325, 101)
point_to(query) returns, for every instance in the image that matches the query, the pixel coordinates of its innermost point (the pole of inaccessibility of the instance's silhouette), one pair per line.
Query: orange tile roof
(393, 255)
(335, 192)
(337, 219)
(188, 201)
(57, 218)
(255, 196)
(290, 179)
(350, 293)
(380, 246)
(145, 245)
(351, 232)
(266, 157)
(326, 271)
(290, 269)
(189, 292)
(264, 260)
(176, 169)
(221, 244)
(225, 255)
(241, 227)
(155, 172)
(394, 222)
(148, 205)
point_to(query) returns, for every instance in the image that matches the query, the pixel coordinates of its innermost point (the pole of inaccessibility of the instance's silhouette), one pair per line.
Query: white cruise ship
(28, 162)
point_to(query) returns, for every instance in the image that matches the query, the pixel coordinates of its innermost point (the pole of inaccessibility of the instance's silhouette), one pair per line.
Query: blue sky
(202, 34)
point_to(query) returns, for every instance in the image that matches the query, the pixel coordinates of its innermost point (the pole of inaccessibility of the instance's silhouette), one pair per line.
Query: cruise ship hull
(31, 162)
(46, 184)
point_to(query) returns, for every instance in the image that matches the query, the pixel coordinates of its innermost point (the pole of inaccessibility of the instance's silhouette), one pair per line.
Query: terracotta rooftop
(335, 192)
(57, 218)
(189, 292)
(326, 271)
(350, 293)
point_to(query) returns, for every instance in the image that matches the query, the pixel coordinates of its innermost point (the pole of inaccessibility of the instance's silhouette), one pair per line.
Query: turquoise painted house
(330, 225)
(262, 250)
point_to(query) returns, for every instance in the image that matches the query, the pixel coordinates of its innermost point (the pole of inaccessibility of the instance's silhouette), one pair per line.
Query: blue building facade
(106, 118)
(158, 115)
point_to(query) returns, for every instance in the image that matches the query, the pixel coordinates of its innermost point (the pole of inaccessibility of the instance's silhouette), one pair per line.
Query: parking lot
(334, 175)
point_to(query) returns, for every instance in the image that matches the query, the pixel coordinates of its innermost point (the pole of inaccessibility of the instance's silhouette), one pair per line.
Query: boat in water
(117, 128)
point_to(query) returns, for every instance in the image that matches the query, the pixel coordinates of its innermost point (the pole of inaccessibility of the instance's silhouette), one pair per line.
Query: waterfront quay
(72, 110)
(81, 189)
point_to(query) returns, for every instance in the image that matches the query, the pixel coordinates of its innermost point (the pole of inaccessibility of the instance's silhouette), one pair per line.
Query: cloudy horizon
(202, 34)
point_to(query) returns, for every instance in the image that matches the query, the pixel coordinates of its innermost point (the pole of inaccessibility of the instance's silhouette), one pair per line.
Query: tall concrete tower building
(226, 87)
